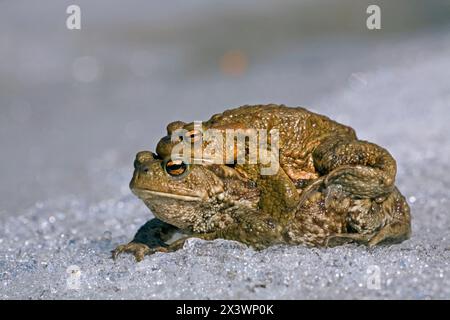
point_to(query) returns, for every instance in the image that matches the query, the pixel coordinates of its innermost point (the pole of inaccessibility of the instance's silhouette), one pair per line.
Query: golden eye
(175, 168)
(193, 135)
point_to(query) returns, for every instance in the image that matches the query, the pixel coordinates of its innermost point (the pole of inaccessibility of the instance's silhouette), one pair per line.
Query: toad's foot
(393, 233)
(343, 238)
(139, 250)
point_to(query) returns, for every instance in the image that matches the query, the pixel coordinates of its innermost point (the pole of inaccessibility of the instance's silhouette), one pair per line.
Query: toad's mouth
(149, 194)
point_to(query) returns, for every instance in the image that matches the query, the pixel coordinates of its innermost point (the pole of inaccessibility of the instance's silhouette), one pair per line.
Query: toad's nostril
(142, 167)
(143, 160)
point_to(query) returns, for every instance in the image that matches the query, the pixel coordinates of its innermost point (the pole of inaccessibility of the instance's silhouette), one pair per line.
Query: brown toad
(330, 187)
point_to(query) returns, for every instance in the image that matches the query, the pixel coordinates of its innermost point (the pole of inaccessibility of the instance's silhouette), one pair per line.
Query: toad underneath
(330, 188)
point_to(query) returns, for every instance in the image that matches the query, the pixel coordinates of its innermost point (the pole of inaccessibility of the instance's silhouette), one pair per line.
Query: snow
(64, 189)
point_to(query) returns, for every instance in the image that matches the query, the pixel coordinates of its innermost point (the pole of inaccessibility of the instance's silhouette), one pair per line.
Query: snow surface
(396, 94)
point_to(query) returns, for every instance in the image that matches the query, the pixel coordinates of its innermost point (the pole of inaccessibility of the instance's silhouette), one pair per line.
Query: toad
(330, 187)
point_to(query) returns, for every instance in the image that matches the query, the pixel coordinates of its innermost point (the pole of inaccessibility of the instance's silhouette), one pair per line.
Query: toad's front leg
(360, 168)
(250, 227)
(149, 239)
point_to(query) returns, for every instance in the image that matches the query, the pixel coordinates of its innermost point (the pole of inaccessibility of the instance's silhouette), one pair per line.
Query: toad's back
(300, 130)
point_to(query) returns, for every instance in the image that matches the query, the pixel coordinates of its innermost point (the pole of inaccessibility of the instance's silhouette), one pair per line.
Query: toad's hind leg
(398, 223)
(395, 226)
(362, 169)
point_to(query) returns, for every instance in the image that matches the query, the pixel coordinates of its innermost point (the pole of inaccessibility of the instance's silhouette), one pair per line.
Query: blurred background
(73, 102)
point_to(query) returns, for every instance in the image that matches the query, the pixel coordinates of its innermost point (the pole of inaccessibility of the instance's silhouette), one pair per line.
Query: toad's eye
(193, 135)
(175, 168)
